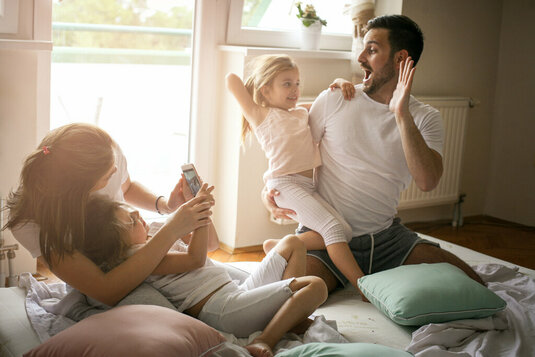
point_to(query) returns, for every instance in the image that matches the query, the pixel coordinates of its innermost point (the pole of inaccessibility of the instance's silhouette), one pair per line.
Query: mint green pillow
(419, 294)
(318, 349)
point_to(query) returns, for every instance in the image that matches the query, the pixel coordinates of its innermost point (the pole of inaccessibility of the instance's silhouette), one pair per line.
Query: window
(272, 23)
(126, 67)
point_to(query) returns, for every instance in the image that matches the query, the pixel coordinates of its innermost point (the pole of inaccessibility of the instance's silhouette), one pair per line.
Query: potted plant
(311, 26)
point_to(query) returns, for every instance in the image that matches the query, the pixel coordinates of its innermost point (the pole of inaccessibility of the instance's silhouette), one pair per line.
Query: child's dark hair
(104, 237)
(403, 34)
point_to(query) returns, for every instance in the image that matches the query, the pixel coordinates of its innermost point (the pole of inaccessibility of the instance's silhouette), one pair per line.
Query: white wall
(24, 101)
(484, 49)
(18, 127)
(511, 188)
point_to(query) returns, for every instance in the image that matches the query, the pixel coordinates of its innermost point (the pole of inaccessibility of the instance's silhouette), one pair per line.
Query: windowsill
(25, 45)
(293, 52)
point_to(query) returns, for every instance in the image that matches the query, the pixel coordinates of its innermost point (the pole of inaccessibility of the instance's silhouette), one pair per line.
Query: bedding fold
(510, 332)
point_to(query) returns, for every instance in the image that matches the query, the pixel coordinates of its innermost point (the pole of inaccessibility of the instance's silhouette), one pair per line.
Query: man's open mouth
(367, 75)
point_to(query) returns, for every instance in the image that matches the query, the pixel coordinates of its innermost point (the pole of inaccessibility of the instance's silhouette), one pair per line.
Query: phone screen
(192, 180)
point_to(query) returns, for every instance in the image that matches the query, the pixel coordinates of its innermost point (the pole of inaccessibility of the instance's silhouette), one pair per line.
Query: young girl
(196, 286)
(268, 102)
(46, 212)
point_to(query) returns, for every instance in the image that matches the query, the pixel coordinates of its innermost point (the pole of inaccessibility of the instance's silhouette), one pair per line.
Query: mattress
(356, 320)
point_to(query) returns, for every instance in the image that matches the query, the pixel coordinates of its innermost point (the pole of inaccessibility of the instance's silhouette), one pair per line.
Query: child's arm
(213, 239)
(253, 112)
(348, 89)
(84, 275)
(195, 257)
(181, 262)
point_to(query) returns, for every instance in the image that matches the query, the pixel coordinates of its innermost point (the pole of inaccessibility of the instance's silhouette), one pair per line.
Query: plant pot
(310, 36)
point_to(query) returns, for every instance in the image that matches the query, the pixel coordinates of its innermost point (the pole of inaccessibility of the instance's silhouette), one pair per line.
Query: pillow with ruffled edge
(419, 294)
(318, 349)
(132, 330)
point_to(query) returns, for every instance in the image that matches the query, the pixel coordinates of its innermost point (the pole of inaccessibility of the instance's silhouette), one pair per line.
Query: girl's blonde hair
(105, 232)
(264, 69)
(55, 183)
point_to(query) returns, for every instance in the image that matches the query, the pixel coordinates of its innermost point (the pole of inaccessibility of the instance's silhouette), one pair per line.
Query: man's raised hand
(399, 104)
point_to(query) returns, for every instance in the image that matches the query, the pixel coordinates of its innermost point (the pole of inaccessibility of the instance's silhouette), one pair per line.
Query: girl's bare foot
(259, 349)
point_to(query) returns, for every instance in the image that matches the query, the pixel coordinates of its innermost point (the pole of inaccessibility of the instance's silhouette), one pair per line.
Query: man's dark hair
(403, 34)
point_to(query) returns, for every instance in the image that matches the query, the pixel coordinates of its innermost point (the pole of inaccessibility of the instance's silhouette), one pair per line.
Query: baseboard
(249, 249)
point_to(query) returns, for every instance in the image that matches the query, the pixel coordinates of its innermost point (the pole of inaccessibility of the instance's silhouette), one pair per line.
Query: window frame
(236, 35)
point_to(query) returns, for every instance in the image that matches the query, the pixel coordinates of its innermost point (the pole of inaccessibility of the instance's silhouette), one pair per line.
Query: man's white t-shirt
(28, 234)
(364, 168)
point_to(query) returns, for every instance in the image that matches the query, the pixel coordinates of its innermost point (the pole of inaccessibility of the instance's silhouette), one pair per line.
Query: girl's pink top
(287, 142)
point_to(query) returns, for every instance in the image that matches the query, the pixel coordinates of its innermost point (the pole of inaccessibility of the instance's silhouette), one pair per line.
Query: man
(371, 146)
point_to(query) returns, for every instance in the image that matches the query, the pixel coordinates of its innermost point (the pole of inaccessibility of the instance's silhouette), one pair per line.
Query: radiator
(454, 112)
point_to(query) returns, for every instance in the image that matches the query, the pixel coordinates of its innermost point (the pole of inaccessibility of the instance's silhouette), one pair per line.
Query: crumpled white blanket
(321, 330)
(47, 305)
(510, 332)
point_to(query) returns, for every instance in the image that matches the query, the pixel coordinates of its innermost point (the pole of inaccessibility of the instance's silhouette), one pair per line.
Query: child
(203, 290)
(268, 102)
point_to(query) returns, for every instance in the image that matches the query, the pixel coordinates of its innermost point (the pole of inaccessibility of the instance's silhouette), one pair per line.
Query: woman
(47, 210)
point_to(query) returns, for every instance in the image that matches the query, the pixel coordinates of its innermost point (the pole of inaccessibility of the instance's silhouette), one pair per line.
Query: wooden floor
(508, 241)
(224, 257)
(497, 238)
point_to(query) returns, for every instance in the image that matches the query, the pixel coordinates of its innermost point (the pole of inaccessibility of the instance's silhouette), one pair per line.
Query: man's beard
(381, 78)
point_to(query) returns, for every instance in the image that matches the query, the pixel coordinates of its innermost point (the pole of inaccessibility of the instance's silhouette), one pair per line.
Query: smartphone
(192, 178)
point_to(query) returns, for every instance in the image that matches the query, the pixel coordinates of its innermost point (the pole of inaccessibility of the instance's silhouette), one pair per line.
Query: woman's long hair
(264, 69)
(55, 183)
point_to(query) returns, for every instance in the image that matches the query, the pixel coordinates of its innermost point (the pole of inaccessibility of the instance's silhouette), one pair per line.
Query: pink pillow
(132, 330)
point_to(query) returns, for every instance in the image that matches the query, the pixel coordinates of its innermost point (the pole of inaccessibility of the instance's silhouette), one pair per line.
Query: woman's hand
(193, 214)
(268, 197)
(181, 193)
(176, 197)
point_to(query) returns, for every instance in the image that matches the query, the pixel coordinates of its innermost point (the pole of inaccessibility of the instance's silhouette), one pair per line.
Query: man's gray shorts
(391, 247)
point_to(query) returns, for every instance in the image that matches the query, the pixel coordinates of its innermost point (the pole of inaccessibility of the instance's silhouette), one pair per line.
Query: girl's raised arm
(253, 112)
(109, 288)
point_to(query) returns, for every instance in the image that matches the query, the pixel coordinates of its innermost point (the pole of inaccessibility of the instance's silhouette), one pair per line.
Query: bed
(362, 322)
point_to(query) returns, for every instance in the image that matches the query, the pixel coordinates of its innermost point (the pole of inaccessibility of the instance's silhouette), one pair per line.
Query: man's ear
(400, 56)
